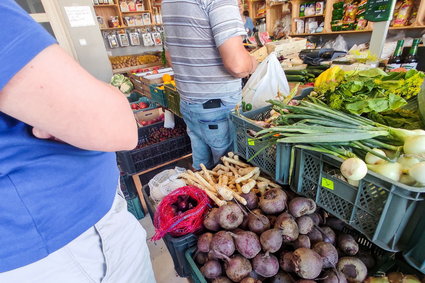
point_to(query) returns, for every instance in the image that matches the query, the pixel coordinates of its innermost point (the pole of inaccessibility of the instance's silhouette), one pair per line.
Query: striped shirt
(194, 29)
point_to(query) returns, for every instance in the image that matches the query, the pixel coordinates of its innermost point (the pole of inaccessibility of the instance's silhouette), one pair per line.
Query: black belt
(212, 103)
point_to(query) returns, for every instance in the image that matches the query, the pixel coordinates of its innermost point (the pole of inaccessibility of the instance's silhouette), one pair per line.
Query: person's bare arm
(55, 95)
(168, 57)
(237, 61)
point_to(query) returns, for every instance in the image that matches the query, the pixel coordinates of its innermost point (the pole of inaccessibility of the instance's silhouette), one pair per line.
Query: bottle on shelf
(411, 60)
(395, 60)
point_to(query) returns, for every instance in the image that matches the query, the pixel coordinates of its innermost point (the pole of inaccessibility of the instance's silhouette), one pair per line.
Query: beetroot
(305, 281)
(237, 268)
(222, 279)
(201, 258)
(265, 265)
(222, 244)
(347, 244)
(211, 269)
(244, 224)
(335, 223)
(286, 262)
(332, 276)
(247, 243)
(300, 206)
(271, 240)
(353, 269)
(257, 222)
(328, 253)
(250, 280)
(303, 241)
(315, 236)
(273, 201)
(230, 216)
(328, 234)
(305, 224)
(251, 199)
(210, 221)
(317, 219)
(282, 277)
(308, 264)
(204, 242)
(289, 227)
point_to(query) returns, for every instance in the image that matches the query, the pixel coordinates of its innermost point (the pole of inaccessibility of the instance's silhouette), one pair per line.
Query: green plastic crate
(173, 99)
(195, 273)
(158, 95)
(274, 160)
(378, 207)
(415, 253)
(135, 207)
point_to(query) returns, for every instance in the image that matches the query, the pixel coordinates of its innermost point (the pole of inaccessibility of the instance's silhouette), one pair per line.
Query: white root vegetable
(239, 198)
(248, 176)
(224, 192)
(233, 161)
(244, 171)
(225, 180)
(204, 182)
(417, 172)
(407, 162)
(373, 159)
(248, 186)
(221, 167)
(231, 168)
(389, 170)
(262, 185)
(269, 183)
(207, 175)
(210, 194)
(354, 169)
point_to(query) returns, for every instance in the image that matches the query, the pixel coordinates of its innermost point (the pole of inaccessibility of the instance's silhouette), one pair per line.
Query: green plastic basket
(378, 207)
(415, 253)
(195, 273)
(158, 95)
(274, 160)
(135, 207)
(173, 99)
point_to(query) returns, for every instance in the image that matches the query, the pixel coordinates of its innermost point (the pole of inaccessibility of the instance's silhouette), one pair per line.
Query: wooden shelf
(407, 27)
(333, 32)
(105, 5)
(136, 12)
(276, 4)
(128, 69)
(305, 17)
(126, 27)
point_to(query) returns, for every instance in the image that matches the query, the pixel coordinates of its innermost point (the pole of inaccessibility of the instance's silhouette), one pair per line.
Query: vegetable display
(315, 126)
(371, 92)
(122, 83)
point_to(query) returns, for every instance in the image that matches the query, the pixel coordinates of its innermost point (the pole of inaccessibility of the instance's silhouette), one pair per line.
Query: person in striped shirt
(204, 45)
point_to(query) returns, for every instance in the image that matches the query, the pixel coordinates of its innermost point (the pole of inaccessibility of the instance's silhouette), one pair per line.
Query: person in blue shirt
(248, 24)
(61, 219)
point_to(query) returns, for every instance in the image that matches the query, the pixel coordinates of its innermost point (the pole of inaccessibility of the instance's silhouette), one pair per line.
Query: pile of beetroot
(279, 240)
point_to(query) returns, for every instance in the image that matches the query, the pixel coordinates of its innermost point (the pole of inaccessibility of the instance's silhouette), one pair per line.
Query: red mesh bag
(167, 220)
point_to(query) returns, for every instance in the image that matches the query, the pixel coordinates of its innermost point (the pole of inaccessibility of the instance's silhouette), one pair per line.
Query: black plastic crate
(137, 160)
(379, 208)
(177, 246)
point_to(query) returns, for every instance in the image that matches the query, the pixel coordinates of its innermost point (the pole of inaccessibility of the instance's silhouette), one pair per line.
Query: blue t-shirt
(50, 192)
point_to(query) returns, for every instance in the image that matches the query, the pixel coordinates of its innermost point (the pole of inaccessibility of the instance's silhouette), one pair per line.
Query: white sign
(80, 16)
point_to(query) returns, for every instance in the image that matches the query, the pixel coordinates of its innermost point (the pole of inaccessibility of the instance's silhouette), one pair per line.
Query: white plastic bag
(267, 81)
(165, 182)
(169, 120)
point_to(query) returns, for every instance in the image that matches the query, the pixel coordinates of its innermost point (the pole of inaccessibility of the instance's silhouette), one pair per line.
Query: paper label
(328, 184)
(79, 16)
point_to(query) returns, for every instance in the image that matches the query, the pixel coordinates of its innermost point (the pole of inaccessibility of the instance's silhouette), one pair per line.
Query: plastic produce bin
(378, 207)
(152, 105)
(137, 160)
(130, 193)
(173, 99)
(177, 246)
(158, 95)
(415, 253)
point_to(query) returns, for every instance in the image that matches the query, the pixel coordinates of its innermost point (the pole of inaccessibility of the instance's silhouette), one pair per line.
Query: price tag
(328, 184)
(251, 142)
(378, 10)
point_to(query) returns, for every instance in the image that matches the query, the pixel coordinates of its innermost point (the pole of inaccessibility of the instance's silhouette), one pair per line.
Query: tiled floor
(162, 263)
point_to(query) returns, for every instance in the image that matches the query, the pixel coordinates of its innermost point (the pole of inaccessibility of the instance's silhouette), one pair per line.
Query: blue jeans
(209, 131)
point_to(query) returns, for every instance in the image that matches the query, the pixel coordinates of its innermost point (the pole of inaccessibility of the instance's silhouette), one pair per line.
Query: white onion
(417, 172)
(354, 183)
(389, 170)
(407, 180)
(373, 159)
(407, 162)
(354, 169)
(414, 145)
